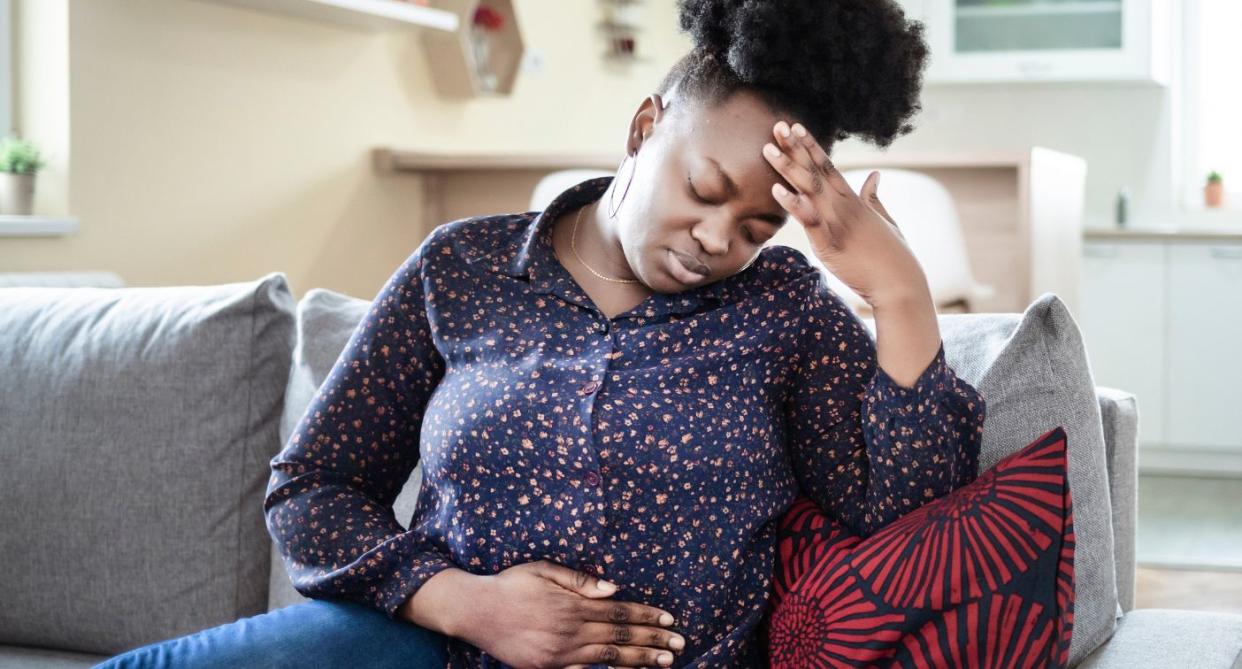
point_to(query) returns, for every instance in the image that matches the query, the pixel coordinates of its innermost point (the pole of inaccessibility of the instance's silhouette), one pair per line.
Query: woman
(614, 400)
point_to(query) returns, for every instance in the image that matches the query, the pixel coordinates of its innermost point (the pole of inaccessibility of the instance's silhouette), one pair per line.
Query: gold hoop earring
(612, 210)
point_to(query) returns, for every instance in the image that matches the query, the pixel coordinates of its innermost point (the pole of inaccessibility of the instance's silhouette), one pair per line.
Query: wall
(211, 143)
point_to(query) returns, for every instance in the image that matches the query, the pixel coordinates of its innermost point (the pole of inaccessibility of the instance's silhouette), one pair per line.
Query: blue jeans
(317, 633)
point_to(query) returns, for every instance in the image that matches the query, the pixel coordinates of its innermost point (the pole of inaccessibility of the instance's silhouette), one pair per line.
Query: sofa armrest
(1119, 414)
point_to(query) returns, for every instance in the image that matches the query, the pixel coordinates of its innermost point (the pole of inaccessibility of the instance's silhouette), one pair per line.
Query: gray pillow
(1033, 373)
(136, 426)
(1031, 369)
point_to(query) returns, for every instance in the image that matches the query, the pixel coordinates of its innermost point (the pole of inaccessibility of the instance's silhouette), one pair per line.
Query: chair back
(557, 182)
(927, 217)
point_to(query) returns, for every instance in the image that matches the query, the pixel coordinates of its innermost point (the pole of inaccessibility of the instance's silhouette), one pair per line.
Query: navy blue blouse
(655, 449)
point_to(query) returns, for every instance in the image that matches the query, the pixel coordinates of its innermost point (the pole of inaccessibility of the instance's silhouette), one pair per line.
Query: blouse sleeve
(329, 498)
(864, 448)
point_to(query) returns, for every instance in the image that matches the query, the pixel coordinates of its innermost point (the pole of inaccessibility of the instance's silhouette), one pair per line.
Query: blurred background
(1090, 148)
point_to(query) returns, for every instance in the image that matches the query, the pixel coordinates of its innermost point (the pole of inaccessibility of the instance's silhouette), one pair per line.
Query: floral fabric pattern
(656, 449)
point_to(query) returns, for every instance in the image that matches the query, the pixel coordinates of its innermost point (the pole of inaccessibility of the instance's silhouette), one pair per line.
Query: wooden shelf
(451, 55)
(448, 41)
(395, 160)
(36, 226)
(369, 14)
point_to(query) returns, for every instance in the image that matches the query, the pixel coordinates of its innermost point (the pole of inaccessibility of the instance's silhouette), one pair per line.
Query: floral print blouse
(656, 449)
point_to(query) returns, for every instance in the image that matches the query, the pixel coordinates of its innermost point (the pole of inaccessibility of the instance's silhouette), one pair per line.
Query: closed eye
(695, 194)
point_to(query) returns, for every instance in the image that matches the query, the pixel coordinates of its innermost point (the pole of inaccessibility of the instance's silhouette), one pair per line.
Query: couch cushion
(1033, 373)
(23, 657)
(136, 432)
(1166, 638)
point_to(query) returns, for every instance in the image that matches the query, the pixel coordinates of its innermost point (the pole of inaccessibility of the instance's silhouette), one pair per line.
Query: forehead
(733, 133)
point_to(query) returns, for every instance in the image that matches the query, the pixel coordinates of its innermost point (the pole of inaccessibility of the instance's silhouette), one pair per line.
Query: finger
(820, 159)
(870, 195)
(587, 585)
(621, 656)
(614, 611)
(632, 635)
(792, 148)
(823, 229)
(804, 179)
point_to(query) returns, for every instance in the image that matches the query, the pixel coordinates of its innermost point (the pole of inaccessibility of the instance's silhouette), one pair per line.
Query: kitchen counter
(1165, 233)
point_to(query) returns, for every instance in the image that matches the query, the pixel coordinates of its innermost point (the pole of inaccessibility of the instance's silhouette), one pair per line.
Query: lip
(682, 272)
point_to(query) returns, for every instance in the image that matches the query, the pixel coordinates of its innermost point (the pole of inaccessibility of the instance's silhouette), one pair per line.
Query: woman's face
(702, 190)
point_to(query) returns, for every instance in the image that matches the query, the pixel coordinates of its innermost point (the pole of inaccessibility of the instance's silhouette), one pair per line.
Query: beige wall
(200, 142)
(211, 143)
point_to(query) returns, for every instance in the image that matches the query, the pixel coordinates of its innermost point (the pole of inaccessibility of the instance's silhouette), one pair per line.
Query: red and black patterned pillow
(982, 577)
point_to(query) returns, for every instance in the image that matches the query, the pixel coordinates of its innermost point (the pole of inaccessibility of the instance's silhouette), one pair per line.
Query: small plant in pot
(1214, 190)
(19, 163)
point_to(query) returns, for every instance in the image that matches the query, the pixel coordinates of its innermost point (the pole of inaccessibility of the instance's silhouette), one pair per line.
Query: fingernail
(780, 190)
(666, 619)
(605, 585)
(799, 130)
(771, 150)
(666, 658)
(677, 643)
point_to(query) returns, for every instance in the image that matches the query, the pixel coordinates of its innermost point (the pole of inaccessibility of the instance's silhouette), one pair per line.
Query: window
(1213, 104)
(6, 68)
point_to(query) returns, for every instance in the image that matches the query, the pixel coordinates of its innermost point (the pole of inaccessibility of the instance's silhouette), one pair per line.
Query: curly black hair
(841, 67)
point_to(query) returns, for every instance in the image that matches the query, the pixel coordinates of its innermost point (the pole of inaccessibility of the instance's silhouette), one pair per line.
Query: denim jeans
(317, 633)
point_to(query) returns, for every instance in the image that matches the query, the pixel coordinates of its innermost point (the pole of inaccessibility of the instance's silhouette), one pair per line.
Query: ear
(650, 112)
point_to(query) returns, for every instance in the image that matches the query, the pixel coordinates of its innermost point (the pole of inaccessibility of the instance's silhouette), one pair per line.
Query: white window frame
(1192, 175)
(6, 68)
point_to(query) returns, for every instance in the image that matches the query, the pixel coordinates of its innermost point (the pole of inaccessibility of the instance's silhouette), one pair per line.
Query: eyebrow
(730, 186)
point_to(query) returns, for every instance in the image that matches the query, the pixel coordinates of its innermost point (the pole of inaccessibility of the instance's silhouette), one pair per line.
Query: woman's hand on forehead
(851, 233)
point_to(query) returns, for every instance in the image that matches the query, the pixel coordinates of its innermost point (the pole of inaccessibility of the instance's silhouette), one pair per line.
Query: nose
(713, 234)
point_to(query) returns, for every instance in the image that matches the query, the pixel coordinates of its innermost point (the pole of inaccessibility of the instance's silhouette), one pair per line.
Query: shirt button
(590, 387)
(592, 478)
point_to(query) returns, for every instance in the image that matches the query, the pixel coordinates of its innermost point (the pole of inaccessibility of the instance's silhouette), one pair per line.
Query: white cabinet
(1205, 345)
(975, 41)
(1162, 318)
(1122, 321)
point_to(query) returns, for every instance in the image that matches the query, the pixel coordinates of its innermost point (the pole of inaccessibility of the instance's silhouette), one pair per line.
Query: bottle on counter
(1123, 207)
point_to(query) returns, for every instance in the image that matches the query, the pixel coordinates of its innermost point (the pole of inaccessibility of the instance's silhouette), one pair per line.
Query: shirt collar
(535, 260)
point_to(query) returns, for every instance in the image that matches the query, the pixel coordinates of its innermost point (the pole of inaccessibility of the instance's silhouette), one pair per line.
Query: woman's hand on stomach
(544, 615)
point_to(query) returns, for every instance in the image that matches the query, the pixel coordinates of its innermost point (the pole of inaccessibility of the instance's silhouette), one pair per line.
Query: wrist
(468, 608)
(904, 296)
(446, 602)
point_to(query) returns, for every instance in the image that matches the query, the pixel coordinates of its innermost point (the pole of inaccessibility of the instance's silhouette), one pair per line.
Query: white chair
(924, 211)
(558, 182)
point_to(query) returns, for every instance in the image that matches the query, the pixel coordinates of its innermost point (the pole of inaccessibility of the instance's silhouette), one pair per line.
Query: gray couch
(136, 425)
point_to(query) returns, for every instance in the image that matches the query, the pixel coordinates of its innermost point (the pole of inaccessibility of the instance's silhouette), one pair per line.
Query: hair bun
(707, 22)
(854, 63)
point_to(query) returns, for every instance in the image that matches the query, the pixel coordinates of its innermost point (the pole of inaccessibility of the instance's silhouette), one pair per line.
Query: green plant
(19, 156)
(1214, 177)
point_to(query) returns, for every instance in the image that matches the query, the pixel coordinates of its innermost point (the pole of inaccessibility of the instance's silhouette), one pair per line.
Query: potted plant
(19, 163)
(1214, 191)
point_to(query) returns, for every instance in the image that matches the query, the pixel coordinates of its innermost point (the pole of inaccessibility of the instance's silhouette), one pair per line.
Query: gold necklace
(573, 245)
